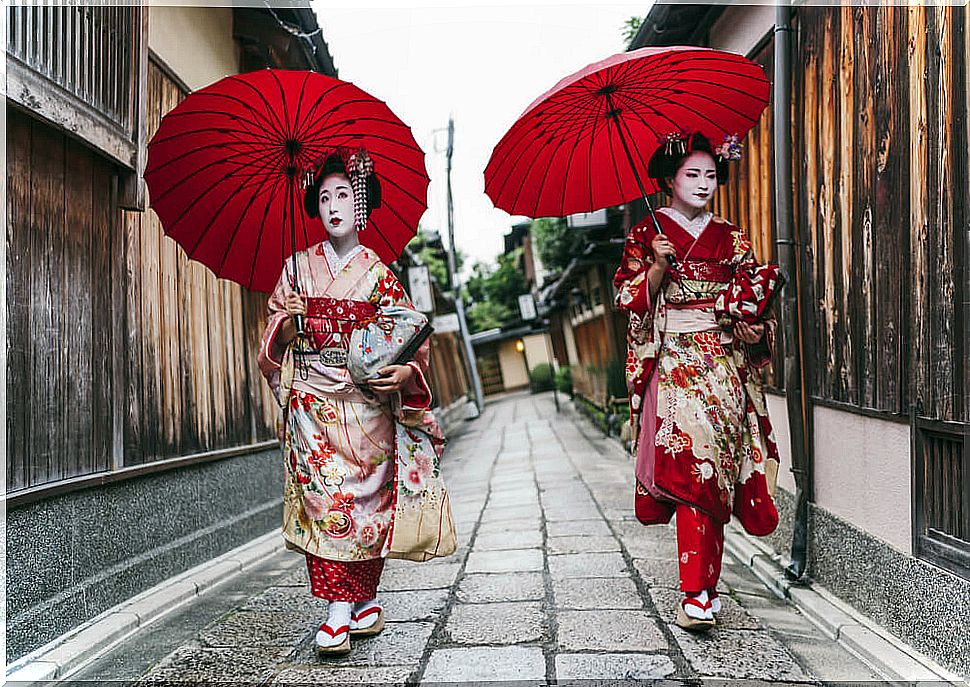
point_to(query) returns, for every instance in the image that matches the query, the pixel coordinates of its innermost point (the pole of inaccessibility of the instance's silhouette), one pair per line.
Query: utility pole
(455, 282)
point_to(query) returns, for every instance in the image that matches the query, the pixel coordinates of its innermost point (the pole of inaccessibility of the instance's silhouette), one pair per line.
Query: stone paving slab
(490, 588)
(609, 631)
(658, 573)
(343, 675)
(398, 644)
(476, 664)
(204, 665)
(587, 565)
(593, 594)
(508, 526)
(581, 528)
(609, 667)
(515, 560)
(286, 599)
(406, 575)
(739, 654)
(417, 604)
(261, 628)
(496, 623)
(574, 544)
(733, 616)
(503, 541)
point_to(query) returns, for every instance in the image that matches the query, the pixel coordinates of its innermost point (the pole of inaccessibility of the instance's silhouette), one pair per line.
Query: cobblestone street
(554, 580)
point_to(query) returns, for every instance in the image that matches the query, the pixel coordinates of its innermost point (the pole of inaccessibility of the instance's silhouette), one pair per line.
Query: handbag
(422, 527)
(391, 337)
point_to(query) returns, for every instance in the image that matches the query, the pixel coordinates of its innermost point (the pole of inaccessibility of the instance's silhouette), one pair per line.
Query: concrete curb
(885, 653)
(70, 652)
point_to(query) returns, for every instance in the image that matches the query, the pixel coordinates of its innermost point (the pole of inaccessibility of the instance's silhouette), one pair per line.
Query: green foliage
(556, 243)
(564, 380)
(483, 315)
(494, 292)
(630, 28)
(540, 378)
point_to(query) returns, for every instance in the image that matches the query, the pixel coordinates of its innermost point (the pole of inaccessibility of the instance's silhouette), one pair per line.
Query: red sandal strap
(357, 617)
(695, 602)
(326, 629)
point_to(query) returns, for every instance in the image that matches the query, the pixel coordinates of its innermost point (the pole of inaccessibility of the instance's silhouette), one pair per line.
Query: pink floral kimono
(338, 440)
(705, 447)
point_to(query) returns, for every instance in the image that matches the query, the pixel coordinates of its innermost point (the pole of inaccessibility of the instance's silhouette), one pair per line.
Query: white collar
(336, 263)
(695, 226)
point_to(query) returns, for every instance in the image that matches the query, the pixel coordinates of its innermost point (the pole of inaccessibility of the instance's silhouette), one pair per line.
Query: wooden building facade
(121, 351)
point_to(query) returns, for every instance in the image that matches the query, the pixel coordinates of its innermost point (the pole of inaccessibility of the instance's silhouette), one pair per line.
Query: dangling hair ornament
(674, 142)
(730, 150)
(359, 167)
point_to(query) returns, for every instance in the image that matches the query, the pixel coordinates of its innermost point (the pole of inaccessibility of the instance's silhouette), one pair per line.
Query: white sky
(482, 64)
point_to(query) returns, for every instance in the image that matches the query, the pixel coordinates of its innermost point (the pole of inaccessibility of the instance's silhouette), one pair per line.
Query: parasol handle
(298, 320)
(614, 114)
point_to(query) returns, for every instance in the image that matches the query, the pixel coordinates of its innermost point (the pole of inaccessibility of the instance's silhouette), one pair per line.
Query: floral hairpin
(675, 141)
(730, 150)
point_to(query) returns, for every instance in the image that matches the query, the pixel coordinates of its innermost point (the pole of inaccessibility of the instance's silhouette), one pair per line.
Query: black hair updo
(334, 164)
(664, 165)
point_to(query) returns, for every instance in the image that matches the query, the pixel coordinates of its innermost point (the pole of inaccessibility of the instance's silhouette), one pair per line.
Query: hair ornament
(730, 150)
(675, 142)
(359, 167)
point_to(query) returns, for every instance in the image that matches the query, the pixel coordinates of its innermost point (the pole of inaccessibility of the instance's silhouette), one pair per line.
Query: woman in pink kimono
(704, 444)
(338, 439)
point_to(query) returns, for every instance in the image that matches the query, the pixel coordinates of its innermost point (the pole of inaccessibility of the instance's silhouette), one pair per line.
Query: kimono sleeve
(632, 285)
(270, 356)
(416, 394)
(759, 354)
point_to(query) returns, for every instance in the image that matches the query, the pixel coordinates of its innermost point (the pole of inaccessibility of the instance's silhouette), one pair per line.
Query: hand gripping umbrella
(226, 170)
(585, 144)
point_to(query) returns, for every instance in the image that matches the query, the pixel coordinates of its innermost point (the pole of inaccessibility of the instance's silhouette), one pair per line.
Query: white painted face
(337, 205)
(695, 181)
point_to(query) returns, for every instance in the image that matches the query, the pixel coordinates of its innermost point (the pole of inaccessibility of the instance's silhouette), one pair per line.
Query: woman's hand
(392, 378)
(295, 304)
(662, 247)
(749, 333)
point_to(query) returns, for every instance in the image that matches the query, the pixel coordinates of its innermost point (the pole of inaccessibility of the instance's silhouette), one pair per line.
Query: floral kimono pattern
(704, 438)
(338, 440)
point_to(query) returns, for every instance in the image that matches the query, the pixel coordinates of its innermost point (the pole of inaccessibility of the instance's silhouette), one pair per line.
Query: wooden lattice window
(942, 495)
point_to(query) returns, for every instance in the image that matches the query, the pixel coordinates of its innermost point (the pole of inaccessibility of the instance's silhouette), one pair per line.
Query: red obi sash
(331, 320)
(706, 270)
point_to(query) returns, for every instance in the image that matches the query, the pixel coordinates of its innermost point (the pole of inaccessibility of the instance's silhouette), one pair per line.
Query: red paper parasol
(226, 168)
(585, 144)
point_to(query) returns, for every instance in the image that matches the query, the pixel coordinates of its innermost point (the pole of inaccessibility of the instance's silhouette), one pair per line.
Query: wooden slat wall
(192, 340)
(59, 236)
(881, 149)
(189, 374)
(448, 382)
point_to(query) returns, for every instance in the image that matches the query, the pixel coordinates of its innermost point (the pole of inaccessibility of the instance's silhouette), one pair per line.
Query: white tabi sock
(365, 619)
(338, 616)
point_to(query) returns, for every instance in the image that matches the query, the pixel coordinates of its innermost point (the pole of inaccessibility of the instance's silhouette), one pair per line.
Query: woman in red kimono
(338, 439)
(703, 441)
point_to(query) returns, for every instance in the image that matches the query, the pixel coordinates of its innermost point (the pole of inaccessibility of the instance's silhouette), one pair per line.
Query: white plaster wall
(514, 374)
(862, 473)
(537, 350)
(778, 414)
(194, 42)
(742, 27)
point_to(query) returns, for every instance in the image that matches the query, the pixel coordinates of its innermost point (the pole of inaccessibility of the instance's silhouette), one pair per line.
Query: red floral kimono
(703, 440)
(338, 440)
